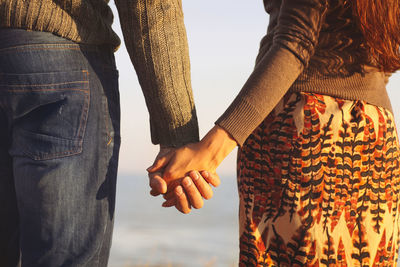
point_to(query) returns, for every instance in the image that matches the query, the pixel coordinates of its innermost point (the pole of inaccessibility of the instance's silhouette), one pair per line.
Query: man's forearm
(155, 37)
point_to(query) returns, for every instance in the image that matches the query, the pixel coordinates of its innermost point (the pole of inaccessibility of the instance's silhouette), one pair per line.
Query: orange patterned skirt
(319, 185)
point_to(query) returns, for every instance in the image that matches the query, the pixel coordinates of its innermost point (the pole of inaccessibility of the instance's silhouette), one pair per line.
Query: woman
(318, 163)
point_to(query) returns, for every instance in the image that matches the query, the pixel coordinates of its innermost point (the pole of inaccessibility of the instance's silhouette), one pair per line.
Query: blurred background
(224, 37)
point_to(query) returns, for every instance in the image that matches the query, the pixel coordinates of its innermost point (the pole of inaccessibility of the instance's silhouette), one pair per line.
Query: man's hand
(191, 191)
(204, 155)
(186, 192)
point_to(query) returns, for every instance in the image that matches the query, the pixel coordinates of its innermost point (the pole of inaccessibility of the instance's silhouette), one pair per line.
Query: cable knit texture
(155, 37)
(310, 46)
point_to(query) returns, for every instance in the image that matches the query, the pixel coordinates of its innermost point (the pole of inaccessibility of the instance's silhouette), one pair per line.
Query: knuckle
(157, 162)
(167, 174)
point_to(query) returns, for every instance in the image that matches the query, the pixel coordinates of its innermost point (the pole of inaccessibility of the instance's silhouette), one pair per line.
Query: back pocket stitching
(82, 123)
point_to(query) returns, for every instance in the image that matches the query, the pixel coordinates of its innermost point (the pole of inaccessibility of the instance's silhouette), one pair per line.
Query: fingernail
(178, 190)
(196, 176)
(187, 181)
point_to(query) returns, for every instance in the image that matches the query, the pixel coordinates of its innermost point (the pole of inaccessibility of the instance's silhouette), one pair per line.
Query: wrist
(219, 143)
(164, 150)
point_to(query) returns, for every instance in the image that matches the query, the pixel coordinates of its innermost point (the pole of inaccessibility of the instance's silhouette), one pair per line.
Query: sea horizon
(147, 234)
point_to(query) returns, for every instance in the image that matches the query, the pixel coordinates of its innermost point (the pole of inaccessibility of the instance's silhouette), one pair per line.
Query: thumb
(158, 185)
(160, 163)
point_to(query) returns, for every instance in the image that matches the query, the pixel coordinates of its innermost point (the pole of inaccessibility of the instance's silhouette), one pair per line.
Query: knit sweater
(311, 46)
(291, 57)
(156, 40)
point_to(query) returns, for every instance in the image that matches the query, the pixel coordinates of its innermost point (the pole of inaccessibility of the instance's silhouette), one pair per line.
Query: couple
(318, 162)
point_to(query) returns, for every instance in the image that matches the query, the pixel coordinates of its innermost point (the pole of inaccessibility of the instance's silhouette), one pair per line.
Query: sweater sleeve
(155, 37)
(294, 41)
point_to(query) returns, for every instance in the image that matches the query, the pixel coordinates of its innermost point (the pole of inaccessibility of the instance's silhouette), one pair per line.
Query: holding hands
(183, 174)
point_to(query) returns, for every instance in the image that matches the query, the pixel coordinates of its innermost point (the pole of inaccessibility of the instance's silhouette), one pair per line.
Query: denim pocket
(48, 112)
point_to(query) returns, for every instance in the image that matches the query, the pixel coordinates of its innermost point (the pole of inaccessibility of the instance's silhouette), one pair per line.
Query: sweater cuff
(176, 136)
(240, 120)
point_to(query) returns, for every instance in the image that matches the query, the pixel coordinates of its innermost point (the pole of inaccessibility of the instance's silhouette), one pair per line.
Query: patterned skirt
(319, 185)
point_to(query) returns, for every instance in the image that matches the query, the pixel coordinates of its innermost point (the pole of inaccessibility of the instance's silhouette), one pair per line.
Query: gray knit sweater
(304, 37)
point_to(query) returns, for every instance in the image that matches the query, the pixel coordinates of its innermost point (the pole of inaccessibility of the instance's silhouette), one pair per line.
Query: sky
(224, 38)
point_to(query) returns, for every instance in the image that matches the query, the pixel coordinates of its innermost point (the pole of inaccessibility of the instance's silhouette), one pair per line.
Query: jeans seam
(85, 112)
(85, 88)
(58, 155)
(46, 90)
(96, 256)
(51, 46)
(35, 85)
(41, 46)
(106, 122)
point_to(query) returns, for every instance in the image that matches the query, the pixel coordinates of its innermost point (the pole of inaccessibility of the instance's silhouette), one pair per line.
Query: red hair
(379, 22)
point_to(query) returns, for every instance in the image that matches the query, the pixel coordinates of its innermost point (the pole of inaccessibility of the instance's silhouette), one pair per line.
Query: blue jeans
(59, 145)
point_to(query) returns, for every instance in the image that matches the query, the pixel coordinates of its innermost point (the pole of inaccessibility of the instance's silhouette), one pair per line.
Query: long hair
(379, 22)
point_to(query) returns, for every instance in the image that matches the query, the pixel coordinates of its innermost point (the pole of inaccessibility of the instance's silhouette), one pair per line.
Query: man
(59, 119)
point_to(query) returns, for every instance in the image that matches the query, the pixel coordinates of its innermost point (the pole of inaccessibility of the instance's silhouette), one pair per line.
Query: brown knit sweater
(300, 44)
(310, 46)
